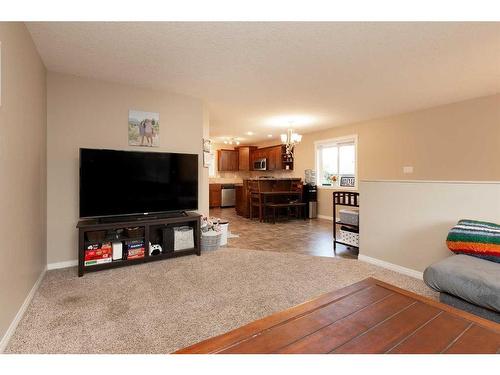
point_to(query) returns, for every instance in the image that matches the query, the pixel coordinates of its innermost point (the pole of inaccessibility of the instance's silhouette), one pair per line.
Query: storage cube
(349, 217)
(183, 238)
(348, 237)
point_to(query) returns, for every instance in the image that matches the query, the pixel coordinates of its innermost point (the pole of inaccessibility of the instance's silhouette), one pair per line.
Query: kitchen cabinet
(214, 195)
(275, 158)
(245, 158)
(241, 201)
(258, 154)
(227, 160)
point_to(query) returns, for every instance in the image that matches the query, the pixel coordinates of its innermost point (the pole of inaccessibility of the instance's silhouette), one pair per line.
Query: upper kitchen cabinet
(258, 154)
(245, 160)
(275, 158)
(227, 160)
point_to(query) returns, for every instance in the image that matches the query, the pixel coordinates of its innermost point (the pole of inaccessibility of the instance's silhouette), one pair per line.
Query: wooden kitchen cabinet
(227, 160)
(258, 154)
(241, 201)
(245, 158)
(214, 195)
(275, 158)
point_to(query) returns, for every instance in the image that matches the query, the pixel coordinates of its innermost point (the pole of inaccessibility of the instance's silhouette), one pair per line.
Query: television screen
(129, 182)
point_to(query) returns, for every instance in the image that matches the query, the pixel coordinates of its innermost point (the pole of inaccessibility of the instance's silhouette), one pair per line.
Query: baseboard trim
(391, 266)
(20, 313)
(325, 217)
(66, 264)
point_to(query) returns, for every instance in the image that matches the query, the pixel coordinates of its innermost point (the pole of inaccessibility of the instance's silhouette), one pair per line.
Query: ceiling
(262, 77)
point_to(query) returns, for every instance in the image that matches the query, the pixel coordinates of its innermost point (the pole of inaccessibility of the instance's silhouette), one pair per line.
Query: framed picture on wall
(348, 181)
(143, 128)
(207, 145)
(207, 159)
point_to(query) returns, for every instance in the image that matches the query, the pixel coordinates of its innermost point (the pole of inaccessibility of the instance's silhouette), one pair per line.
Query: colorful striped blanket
(477, 238)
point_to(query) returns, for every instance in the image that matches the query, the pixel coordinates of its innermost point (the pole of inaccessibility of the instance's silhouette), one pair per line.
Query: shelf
(347, 225)
(345, 199)
(120, 239)
(146, 259)
(346, 244)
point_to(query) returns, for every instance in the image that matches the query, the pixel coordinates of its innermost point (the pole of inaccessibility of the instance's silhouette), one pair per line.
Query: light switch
(408, 170)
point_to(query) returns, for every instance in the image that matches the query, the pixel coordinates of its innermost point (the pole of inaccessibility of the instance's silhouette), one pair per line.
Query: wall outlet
(408, 170)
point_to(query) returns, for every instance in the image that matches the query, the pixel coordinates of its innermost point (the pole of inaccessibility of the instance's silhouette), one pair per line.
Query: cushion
(477, 238)
(459, 303)
(474, 280)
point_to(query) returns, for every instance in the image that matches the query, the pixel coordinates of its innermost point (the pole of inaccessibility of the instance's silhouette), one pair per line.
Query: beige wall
(456, 142)
(22, 169)
(406, 223)
(88, 113)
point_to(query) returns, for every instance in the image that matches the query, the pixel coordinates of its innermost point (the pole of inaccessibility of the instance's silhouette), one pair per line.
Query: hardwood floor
(367, 317)
(311, 237)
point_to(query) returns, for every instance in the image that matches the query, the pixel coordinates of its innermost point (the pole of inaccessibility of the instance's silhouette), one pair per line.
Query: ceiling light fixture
(290, 139)
(249, 133)
(232, 140)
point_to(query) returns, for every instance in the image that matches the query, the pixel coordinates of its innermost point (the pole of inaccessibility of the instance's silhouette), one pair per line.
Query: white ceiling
(256, 76)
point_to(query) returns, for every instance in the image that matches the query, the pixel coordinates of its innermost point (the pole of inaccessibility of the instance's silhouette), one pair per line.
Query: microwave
(260, 165)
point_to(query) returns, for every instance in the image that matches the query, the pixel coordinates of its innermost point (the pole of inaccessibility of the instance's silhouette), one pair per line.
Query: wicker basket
(210, 240)
(349, 238)
(96, 236)
(134, 232)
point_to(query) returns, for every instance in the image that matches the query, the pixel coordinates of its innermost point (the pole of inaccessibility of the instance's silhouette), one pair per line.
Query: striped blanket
(476, 238)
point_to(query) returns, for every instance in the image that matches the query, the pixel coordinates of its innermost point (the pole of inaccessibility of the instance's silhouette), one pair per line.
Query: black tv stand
(151, 228)
(142, 217)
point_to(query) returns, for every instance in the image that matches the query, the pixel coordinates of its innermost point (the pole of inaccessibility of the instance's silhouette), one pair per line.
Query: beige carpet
(163, 306)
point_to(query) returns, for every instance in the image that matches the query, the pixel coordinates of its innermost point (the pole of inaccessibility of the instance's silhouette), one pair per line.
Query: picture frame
(207, 145)
(143, 128)
(348, 181)
(207, 159)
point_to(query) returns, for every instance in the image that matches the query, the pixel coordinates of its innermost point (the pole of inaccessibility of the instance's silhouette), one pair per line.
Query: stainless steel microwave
(260, 165)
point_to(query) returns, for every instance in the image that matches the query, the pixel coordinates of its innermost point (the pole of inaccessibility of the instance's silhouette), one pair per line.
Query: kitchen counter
(273, 179)
(267, 184)
(220, 180)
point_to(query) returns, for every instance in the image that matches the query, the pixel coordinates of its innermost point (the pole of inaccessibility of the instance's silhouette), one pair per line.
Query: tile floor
(311, 237)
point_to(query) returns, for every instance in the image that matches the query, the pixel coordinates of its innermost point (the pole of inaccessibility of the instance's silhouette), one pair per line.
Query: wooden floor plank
(340, 332)
(476, 340)
(434, 337)
(229, 338)
(489, 324)
(367, 317)
(280, 335)
(384, 336)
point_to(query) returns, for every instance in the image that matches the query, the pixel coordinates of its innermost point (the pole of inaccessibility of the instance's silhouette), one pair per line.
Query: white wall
(406, 223)
(89, 113)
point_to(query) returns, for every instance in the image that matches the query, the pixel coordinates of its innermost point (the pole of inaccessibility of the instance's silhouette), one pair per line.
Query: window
(336, 162)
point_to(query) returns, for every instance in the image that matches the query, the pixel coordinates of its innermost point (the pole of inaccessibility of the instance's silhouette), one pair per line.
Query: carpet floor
(162, 306)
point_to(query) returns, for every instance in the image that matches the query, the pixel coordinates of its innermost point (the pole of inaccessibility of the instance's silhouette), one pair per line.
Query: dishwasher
(228, 195)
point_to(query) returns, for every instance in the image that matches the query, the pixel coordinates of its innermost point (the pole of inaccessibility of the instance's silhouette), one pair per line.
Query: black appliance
(310, 193)
(116, 183)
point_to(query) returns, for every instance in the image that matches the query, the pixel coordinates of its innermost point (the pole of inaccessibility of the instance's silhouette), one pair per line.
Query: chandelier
(290, 139)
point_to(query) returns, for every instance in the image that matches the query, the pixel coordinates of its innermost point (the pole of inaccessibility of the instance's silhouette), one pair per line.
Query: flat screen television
(117, 183)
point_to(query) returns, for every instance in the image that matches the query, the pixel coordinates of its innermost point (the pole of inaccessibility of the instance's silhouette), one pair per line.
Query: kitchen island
(266, 185)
